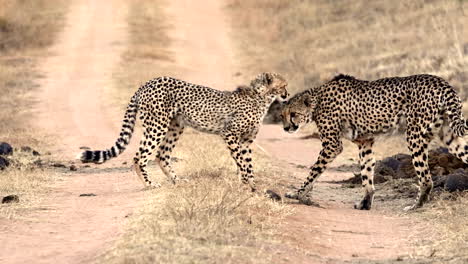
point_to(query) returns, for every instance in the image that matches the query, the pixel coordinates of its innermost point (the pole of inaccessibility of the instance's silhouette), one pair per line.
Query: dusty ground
(73, 229)
(69, 228)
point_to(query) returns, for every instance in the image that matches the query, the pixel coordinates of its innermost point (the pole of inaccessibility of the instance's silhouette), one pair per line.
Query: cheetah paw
(411, 208)
(152, 186)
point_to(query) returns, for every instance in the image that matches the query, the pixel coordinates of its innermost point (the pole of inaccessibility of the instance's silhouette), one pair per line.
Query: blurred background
(311, 41)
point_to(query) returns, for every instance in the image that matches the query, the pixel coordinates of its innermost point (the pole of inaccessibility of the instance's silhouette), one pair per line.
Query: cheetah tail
(457, 122)
(100, 156)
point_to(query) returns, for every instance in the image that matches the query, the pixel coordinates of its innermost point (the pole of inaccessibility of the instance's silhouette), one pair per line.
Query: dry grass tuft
(208, 217)
(207, 220)
(25, 178)
(448, 215)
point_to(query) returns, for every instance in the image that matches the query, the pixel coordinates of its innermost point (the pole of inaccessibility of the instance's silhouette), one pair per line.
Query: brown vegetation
(310, 42)
(26, 29)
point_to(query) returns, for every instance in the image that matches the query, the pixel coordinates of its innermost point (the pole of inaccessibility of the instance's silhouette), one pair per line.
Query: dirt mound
(447, 171)
(273, 115)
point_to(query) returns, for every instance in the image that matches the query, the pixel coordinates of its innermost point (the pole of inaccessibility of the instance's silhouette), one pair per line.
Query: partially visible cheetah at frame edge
(358, 110)
(166, 105)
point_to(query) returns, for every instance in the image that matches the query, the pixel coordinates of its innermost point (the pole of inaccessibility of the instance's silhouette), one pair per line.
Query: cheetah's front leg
(330, 149)
(241, 153)
(367, 163)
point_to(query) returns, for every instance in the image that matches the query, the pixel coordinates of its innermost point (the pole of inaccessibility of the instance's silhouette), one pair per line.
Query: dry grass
(25, 179)
(209, 217)
(26, 29)
(311, 41)
(448, 234)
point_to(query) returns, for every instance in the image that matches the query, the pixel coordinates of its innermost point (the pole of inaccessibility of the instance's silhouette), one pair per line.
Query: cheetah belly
(383, 129)
(205, 124)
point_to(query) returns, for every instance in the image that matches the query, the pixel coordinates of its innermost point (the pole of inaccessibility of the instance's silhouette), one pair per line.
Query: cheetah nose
(284, 96)
(286, 129)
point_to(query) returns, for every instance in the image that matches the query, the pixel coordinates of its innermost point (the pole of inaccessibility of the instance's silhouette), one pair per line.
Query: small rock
(10, 199)
(457, 181)
(85, 148)
(273, 195)
(38, 163)
(58, 165)
(26, 149)
(73, 168)
(36, 153)
(5, 149)
(124, 163)
(87, 194)
(4, 162)
(392, 163)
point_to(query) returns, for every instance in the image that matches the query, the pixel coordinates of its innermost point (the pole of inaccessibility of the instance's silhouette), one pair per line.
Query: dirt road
(73, 107)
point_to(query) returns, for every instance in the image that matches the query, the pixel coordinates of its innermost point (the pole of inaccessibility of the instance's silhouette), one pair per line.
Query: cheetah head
(297, 111)
(270, 85)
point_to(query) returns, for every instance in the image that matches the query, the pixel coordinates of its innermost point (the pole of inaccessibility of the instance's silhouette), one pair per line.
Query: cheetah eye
(293, 115)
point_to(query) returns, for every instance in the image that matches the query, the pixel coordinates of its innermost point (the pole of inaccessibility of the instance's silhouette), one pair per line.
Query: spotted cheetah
(358, 110)
(166, 105)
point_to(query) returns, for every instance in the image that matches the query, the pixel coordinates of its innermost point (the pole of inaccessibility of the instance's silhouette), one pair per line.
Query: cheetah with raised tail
(358, 110)
(166, 105)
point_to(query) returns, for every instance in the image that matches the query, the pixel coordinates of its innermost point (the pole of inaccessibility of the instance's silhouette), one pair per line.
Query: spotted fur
(358, 110)
(166, 105)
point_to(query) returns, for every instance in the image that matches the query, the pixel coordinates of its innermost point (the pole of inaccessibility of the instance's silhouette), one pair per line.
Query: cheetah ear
(308, 101)
(267, 78)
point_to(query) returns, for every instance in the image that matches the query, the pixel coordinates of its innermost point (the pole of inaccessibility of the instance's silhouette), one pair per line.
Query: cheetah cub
(358, 110)
(166, 105)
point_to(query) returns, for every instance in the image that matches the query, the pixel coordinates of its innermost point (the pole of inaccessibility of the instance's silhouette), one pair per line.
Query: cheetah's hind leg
(176, 128)
(150, 141)
(418, 146)
(367, 164)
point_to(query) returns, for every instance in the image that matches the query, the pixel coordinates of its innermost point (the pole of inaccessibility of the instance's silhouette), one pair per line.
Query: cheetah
(166, 105)
(359, 110)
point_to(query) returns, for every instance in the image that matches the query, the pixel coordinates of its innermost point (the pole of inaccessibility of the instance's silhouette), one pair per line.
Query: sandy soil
(73, 106)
